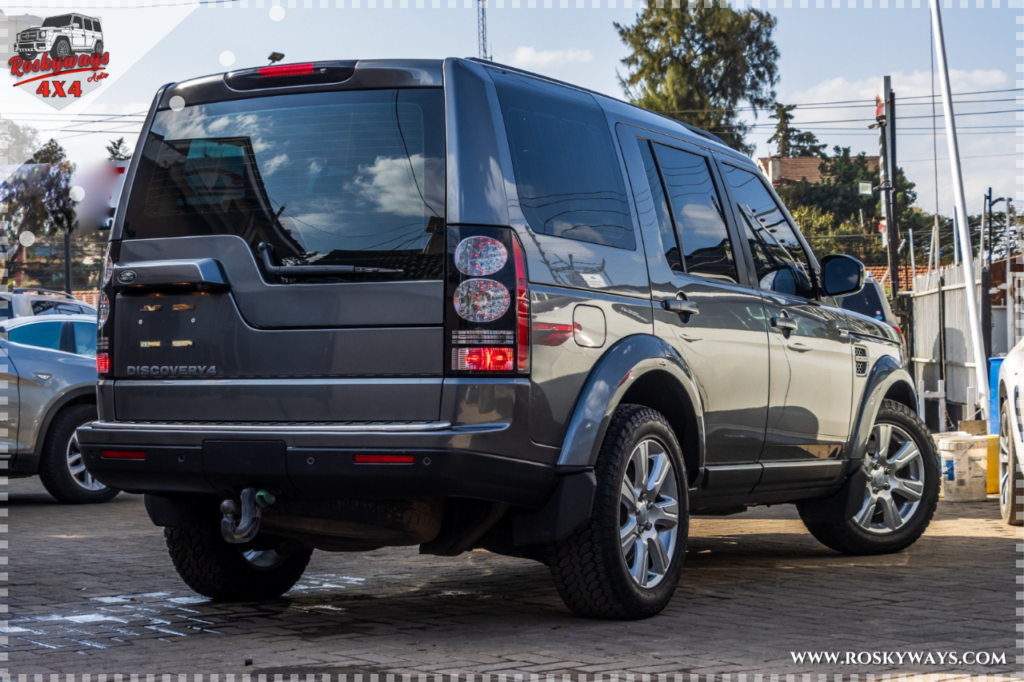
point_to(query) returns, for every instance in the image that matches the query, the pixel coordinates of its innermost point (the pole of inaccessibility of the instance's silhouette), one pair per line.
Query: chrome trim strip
(365, 427)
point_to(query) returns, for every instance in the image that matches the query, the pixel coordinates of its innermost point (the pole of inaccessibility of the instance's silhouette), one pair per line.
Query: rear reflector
(102, 363)
(384, 459)
(286, 70)
(123, 454)
(483, 359)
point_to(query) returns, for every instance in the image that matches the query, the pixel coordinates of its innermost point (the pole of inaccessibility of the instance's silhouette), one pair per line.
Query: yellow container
(993, 465)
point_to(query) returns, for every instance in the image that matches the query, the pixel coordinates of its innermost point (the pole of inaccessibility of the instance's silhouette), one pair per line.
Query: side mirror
(841, 275)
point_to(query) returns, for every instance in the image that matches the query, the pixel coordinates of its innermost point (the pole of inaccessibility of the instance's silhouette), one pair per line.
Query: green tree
(117, 150)
(791, 142)
(696, 64)
(18, 142)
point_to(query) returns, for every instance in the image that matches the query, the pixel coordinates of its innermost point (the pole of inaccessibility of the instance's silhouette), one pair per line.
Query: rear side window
(779, 257)
(88, 24)
(334, 178)
(567, 173)
(85, 338)
(41, 335)
(698, 212)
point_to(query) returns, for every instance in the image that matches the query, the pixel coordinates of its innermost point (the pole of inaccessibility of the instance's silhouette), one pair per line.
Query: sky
(831, 50)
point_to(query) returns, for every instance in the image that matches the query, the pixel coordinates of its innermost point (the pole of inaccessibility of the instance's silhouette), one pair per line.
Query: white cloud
(537, 60)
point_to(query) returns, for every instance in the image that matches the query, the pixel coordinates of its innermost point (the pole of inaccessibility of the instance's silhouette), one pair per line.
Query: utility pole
(885, 117)
(481, 29)
(962, 226)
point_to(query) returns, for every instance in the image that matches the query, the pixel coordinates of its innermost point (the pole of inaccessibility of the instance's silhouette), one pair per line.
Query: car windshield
(336, 178)
(57, 22)
(866, 302)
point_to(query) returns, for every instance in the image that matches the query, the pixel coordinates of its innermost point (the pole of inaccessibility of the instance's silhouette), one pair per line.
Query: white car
(61, 36)
(1011, 436)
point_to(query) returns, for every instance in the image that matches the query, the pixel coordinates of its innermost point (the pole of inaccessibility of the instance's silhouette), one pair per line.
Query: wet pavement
(92, 590)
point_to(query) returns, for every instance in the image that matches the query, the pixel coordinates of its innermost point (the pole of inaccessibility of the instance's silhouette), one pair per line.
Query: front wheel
(624, 562)
(27, 56)
(263, 569)
(902, 489)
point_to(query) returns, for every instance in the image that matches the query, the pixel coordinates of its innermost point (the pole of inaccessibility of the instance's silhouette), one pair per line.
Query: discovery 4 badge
(172, 370)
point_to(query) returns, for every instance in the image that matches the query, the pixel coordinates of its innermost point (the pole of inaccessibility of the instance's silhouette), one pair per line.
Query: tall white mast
(481, 29)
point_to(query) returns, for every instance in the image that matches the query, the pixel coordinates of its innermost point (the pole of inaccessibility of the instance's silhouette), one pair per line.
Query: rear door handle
(681, 306)
(785, 324)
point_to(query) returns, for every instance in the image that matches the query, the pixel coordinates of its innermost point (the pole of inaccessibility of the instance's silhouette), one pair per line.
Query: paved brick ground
(92, 591)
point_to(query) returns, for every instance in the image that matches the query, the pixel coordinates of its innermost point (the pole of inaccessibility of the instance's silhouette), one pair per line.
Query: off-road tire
(98, 47)
(55, 50)
(1011, 509)
(27, 56)
(589, 570)
(220, 571)
(53, 463)
(849, 538)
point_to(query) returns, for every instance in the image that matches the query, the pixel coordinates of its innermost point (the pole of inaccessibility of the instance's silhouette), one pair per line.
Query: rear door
(210, 326)
(703, 305)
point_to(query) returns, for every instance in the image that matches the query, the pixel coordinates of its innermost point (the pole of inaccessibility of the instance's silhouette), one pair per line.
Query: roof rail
(42, 292)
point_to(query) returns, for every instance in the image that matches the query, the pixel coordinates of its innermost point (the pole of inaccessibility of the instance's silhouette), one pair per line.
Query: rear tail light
(103, 364)
(481, 300)
(484, 359)
(488, 322)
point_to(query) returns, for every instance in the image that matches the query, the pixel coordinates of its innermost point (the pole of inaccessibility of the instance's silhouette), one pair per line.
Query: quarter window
(96, 26)
(40, 335)
(779, 257)
(661, 211)
(567, 173)
(698, 212)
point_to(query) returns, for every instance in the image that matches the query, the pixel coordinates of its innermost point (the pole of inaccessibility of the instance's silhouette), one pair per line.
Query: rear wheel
(1009, 473)
(62, 467)
(98, 47)
(263, 569)
(901, 492)
(624, 563)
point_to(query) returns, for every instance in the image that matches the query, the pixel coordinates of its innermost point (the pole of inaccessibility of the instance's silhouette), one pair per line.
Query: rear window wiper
(267, 251)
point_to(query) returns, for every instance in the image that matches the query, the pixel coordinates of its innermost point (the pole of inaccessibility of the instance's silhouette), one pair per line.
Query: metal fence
(940, 331)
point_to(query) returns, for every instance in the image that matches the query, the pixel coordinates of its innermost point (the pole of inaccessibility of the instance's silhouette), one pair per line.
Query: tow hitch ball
(246, 529)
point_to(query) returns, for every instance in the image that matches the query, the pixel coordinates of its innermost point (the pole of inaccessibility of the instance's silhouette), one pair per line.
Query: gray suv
(455, 305)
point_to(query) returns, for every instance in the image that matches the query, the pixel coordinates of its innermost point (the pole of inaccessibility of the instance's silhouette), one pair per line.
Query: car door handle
(800, 347)
(681, 306)
(785, 324)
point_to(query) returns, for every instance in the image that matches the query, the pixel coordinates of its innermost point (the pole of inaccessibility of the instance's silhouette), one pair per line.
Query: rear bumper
(318, 460)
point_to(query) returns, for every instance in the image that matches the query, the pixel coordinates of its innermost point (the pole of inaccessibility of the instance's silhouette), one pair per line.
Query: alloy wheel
(649, 513)
(63, 50)
(264, 559)
(76, 465)
(895, 472)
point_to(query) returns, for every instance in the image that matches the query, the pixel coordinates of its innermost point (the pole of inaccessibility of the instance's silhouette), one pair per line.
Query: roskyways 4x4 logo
(61, 60)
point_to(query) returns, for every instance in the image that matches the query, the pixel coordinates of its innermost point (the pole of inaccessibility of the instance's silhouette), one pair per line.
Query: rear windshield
(866, 302)
(333, 178)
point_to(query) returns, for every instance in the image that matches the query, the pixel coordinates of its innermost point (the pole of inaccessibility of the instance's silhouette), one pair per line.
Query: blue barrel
(993, 394)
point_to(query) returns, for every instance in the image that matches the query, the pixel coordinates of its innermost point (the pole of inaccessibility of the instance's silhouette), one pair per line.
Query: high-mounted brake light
(103, 363)
(286, 70)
